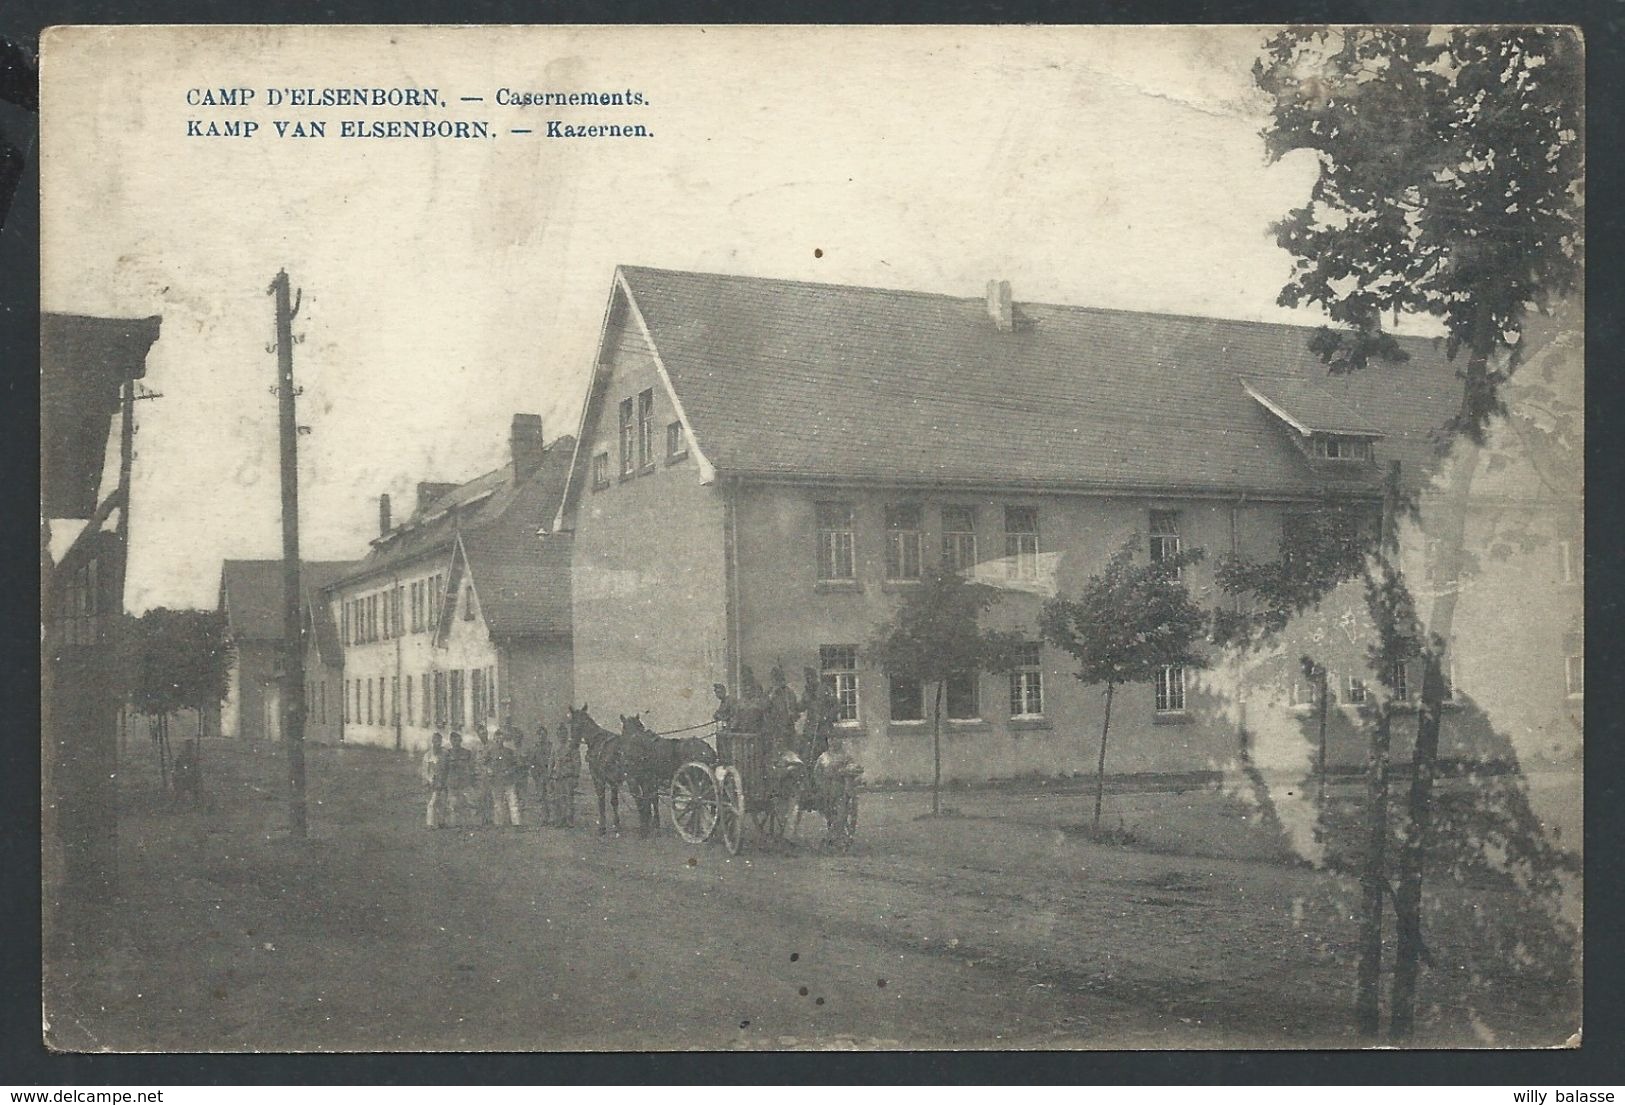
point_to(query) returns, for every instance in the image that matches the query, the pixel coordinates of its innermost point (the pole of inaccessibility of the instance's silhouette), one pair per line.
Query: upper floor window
(958, 538)
(903, 541)
(646, 428)
(676, 444)
(628, 428)
(1336, 447)
(1400, 679)
(1170, 689)
(600, 471)
(1165, 537)
(1027, 682)
(835, 541)
(1574, 665)
(1568, 567)
(838, 665)
(1021, 541)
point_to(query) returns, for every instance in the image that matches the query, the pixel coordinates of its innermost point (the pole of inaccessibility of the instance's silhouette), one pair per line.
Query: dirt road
(965, 932)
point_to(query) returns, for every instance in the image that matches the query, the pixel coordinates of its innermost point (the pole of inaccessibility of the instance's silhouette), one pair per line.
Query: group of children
(488, 782)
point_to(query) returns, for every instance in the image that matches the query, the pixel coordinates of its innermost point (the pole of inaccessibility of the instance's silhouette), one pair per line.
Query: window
(1332, 447)
(907, 701)
(835, 541)
(960, 691)
(411, 718)
(458, 717)
(1574, 665)
(344, 703)
(600, 471)
(1399, 676)
(468, 603)
(626, 438)
(1165, 537)
(476, 691)
(959, 538)
(369, 701)
(1021, 541)
(646, 428)
(1171, 689)
(344, 622)
(428, 702)
(1356, 693)
(903, 541)
(394, 698)
(1027, 682)
(676, 444)
(400, 611)
(491, 691)
(839, 666)
(440, 714)
(358, 714)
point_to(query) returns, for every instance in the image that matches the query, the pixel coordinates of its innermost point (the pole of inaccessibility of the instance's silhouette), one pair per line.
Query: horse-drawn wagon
(754, 788)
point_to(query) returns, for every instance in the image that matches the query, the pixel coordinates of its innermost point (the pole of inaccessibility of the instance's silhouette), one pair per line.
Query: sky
(448, 285)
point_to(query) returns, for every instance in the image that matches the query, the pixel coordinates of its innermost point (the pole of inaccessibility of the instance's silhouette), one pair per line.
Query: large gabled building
(460, 615)
(762, 467)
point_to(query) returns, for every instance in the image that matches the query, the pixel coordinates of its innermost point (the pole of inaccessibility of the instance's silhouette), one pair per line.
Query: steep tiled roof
(523, 584)
(251, 593)
(493, 502)
(796, 380)
(84, 361)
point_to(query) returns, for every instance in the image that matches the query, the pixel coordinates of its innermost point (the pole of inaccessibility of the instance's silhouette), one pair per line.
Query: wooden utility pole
(293, 652)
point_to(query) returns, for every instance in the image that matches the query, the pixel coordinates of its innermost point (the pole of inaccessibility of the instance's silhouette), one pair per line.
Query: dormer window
(1341, 447)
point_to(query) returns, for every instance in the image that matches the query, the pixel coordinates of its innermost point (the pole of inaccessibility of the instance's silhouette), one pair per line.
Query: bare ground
(1000, 926)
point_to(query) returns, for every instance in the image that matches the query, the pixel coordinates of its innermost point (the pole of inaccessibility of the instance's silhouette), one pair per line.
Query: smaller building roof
(1308, 406)
(523, 585)
(251, 594)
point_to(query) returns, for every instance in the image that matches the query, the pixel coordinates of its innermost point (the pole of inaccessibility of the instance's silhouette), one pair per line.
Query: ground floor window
(476, 690)
(440, 698)
(1027, 683)
(907, 701)
(344, 701)
(839, 665)
(1356, 692)
(409, 715)
(960, 691)
(491, 692)
(455, 684)
(395, 700)
(369, 701)
(1170, 689)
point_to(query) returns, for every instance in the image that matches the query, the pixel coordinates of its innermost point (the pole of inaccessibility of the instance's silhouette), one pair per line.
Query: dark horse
(606, 761)
(651, 761)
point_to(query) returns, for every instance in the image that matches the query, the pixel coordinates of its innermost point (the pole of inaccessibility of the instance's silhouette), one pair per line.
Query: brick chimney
(999, 307)
(525, 444)
(383, 515)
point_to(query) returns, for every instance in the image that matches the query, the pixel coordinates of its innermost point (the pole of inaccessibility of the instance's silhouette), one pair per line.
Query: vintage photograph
(811, 538)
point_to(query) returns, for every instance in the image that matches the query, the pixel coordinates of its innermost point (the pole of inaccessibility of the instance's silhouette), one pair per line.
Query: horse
(606, 761)
(651, 761)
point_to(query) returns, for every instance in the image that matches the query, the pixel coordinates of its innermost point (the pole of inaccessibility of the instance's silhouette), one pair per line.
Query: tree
(175, 660)
(1450, 186)
(933, 637)
(1131, 621)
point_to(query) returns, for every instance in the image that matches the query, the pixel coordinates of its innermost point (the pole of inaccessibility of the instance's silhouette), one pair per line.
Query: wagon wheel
(731, 808)
(694, 803)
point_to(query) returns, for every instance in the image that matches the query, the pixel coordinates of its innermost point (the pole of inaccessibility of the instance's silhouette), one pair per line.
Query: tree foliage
(934, 636)
(176, 659)
(1450, 184)
(1130, 620)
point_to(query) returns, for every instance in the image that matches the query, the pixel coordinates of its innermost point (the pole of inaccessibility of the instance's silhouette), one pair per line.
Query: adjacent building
(250, 599)
(460, 615)
(88, 372)
(764, 467)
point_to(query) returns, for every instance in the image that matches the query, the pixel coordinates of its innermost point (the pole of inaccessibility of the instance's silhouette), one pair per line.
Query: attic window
(1341, 447)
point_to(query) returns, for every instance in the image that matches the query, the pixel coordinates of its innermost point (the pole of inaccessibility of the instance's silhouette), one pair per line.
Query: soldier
(459, 774)
(482, 783)
(820, 707)
(501, 780)
(433, 773)
(726, 707)
(563, 773)
(779, 714)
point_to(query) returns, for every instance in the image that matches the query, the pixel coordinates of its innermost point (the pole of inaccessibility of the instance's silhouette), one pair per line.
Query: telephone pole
(293, 652)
